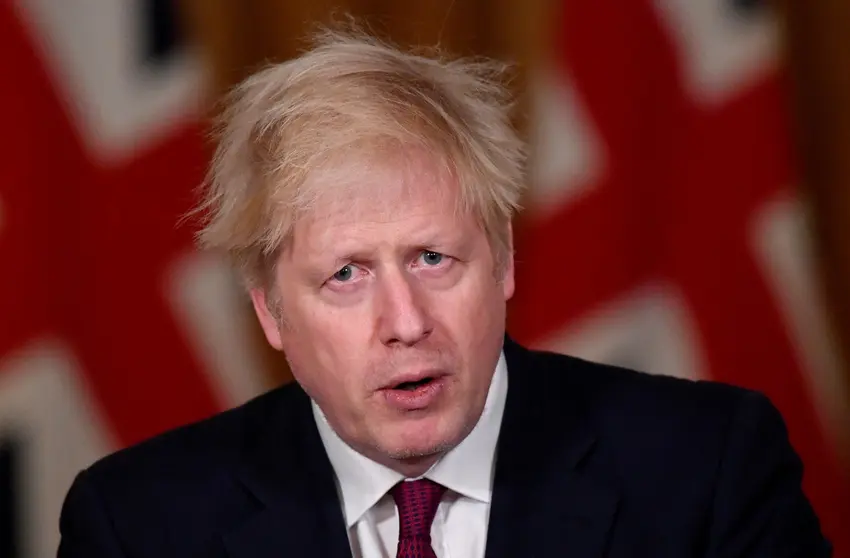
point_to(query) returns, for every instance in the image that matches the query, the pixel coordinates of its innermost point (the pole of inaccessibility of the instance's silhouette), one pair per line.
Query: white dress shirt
(460, 526)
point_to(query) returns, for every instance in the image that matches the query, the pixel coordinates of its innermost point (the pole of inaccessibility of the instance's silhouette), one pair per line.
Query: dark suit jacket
(592, 461)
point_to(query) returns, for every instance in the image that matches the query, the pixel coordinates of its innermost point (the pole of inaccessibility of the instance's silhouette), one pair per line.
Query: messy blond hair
(349, 91)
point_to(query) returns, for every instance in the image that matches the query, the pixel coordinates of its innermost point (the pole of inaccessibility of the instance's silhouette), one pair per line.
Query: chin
(418, 453)
(416, 441)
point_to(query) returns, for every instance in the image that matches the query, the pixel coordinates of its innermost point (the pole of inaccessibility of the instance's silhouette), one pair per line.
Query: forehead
(381, 180)
(383, 187)
(392, 201)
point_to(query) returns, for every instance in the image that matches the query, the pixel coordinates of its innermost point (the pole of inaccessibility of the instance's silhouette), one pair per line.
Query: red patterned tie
(417, 503)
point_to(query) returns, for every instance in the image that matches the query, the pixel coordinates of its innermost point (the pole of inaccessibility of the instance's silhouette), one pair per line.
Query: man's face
(392, 311)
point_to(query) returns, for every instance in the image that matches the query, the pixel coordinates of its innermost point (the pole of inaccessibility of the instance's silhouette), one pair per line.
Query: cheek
(319, 367)
(474, 311)
(325, 340)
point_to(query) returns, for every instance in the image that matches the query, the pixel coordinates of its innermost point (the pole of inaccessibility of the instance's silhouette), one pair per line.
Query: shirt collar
(466, 469)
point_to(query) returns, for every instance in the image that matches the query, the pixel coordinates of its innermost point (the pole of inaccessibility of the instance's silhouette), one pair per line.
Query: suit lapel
(543, 504)
(288, 472)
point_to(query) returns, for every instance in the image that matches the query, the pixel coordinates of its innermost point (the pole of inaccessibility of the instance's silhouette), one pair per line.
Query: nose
(404, 319)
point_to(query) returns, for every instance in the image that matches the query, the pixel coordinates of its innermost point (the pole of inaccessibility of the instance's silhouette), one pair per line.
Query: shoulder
(709, 461)
(634, 394)
(196, 454)
(183, 477)
(640, 415)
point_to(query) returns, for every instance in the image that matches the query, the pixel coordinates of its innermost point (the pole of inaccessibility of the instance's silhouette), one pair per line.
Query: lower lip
(415, 399)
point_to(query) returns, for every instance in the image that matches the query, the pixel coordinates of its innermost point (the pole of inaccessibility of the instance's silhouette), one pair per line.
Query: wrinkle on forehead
(372, 186)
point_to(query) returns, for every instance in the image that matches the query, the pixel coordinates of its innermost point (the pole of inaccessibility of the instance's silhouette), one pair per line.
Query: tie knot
(417, 503)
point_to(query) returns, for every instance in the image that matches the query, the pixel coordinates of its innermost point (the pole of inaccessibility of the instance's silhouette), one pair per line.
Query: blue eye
(344, 274)
(432, 258)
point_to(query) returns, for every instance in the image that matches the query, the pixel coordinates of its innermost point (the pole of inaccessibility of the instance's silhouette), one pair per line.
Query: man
(365, 195)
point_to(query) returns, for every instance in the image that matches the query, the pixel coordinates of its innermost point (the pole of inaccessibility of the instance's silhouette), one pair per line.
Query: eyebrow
(435, 238)
(347, 257)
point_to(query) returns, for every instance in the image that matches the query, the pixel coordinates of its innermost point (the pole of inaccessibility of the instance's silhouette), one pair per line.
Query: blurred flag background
(688, 212)
(667, 231)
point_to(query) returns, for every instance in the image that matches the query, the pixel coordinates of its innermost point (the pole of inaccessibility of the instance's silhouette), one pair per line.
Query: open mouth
(416, 394)
(412, 386)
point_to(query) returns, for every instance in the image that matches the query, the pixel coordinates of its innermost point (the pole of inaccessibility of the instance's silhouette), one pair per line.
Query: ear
(508, 284)
(268, 321)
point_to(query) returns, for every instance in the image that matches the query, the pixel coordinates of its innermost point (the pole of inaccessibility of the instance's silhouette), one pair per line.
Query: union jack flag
(665, 231)
(112, 328)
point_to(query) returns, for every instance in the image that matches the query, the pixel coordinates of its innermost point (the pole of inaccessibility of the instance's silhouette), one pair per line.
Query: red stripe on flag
(90, 248)
(677, 202)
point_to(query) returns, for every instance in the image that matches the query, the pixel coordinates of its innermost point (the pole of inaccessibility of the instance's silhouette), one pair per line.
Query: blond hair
(351, 90)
